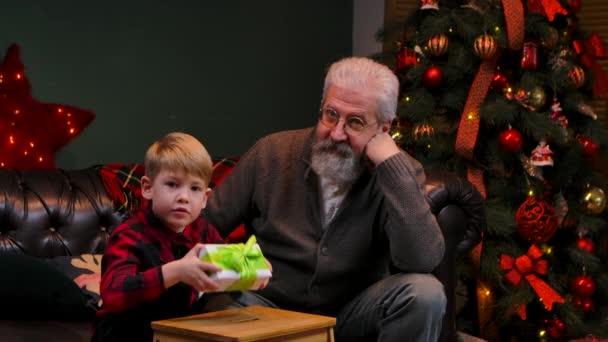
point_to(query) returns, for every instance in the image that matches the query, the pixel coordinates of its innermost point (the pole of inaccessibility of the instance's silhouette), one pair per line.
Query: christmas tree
(500, 92)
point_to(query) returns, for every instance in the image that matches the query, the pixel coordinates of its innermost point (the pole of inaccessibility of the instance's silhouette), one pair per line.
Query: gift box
(243, 265)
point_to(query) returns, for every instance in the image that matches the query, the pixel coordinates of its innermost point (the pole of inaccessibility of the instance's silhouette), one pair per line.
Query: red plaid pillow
(122, 183)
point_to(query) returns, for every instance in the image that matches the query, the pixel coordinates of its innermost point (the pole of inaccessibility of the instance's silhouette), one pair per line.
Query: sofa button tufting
(324, 250)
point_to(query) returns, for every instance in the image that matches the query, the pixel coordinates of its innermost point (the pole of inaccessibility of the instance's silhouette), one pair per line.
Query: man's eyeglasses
(352, 124)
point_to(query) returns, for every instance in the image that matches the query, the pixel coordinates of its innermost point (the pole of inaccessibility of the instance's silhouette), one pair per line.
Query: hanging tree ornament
(484, 46)
(537, 97)
(585, 244)
(536, 220)
(577, 76)
(561, 208)
(429, 4)
(437, 44)
(593, 200)
(556, 328)
(423, 130)
(585, 304)
(432, 77)
(587, 110)
(582, 285)
(510, 140)
(541, 155)
(499, 81)
(550, 38)
(529, 58)
(556, 114)
(590, 147)
(531, 169)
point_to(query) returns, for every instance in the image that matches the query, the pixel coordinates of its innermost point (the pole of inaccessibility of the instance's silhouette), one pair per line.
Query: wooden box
(254, 323)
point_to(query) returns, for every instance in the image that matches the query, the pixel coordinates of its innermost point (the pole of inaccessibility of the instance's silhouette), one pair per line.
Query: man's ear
(146, 187)
(386, 127)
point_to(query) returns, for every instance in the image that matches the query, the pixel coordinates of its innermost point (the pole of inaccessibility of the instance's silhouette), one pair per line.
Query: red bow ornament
(526, 267)
(588, 53)
(548, 8)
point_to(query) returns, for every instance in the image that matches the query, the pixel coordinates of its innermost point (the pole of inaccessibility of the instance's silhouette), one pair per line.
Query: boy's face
(177, 197)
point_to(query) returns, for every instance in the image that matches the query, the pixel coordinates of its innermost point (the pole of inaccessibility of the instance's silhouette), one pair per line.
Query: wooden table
(254, 323)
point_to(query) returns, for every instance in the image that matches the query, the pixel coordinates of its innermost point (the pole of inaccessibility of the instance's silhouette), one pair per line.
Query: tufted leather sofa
(47, 213)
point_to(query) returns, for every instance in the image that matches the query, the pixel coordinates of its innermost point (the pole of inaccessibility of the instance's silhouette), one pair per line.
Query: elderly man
(335, 208)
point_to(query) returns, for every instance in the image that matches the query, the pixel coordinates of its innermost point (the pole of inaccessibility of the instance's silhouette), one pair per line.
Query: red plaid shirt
(132, 281)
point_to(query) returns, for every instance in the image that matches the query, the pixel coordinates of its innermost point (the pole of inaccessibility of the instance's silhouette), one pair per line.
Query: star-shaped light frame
(31, 132)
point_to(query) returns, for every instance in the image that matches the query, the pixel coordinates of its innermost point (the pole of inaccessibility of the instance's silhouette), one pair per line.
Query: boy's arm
(122, 284)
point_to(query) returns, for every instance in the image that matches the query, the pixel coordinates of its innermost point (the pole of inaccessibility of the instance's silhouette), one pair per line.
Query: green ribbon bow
(241, 258)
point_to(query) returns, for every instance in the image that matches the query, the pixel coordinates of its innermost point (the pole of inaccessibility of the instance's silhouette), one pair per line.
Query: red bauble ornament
(484, 46)
(432, 77)
(555, 327)
(586, 244)
(582, 285)
(536, 220)
(585, 304)
(590, 148)
(437, 45)
(510, 140)
(577, 76)
(31, 132)
(499, 81)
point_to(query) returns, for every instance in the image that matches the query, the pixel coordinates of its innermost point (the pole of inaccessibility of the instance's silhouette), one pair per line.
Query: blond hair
(178, 151)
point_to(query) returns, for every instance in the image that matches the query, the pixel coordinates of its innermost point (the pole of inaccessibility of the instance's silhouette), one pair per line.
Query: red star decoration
(31, 132)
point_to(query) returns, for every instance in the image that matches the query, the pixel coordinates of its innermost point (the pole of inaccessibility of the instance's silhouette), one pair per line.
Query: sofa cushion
(85, 271)
(33, 289)
(122, 183)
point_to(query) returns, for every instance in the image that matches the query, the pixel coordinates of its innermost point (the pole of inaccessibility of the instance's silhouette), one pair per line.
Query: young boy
(151, 270)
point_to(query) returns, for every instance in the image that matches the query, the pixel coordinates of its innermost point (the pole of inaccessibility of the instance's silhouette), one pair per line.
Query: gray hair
(354, 73)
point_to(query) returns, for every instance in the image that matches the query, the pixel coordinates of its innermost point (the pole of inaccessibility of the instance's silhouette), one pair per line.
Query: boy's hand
(190, 270)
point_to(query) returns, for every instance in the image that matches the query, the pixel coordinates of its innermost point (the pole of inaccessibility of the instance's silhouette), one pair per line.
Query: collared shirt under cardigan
(384, 217)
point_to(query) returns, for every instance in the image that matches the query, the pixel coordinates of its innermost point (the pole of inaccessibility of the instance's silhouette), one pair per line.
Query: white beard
(336, 161)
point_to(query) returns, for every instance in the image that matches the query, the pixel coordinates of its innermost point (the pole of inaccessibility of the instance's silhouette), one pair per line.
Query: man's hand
(190, 270)
(380, 147)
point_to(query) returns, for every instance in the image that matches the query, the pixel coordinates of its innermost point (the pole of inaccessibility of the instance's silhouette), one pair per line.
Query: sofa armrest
(445, 189)
(459, 209)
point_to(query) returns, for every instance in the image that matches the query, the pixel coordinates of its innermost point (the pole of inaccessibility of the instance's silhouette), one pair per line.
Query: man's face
(338, 150)
(177, 197)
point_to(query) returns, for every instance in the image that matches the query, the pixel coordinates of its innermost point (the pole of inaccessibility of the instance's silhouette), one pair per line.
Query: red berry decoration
(585, 304)
(437, 45)
(510, 140)
(555, 327)
(582, 285)
(590, 148)
(586, 244)
(432, 77)
(536, 220)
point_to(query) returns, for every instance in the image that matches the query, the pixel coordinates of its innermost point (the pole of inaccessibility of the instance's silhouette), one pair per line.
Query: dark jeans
(402, 307)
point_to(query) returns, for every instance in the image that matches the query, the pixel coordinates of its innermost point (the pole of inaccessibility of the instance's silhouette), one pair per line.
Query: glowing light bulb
(16, 112)
(11, 140)
(72, 131)
(18, 76)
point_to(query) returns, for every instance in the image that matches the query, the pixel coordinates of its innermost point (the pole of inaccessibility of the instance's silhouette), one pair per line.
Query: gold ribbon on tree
(527, 267)
(588, 52)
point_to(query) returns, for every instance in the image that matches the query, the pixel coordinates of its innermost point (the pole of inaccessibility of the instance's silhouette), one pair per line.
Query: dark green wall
(227, 72)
